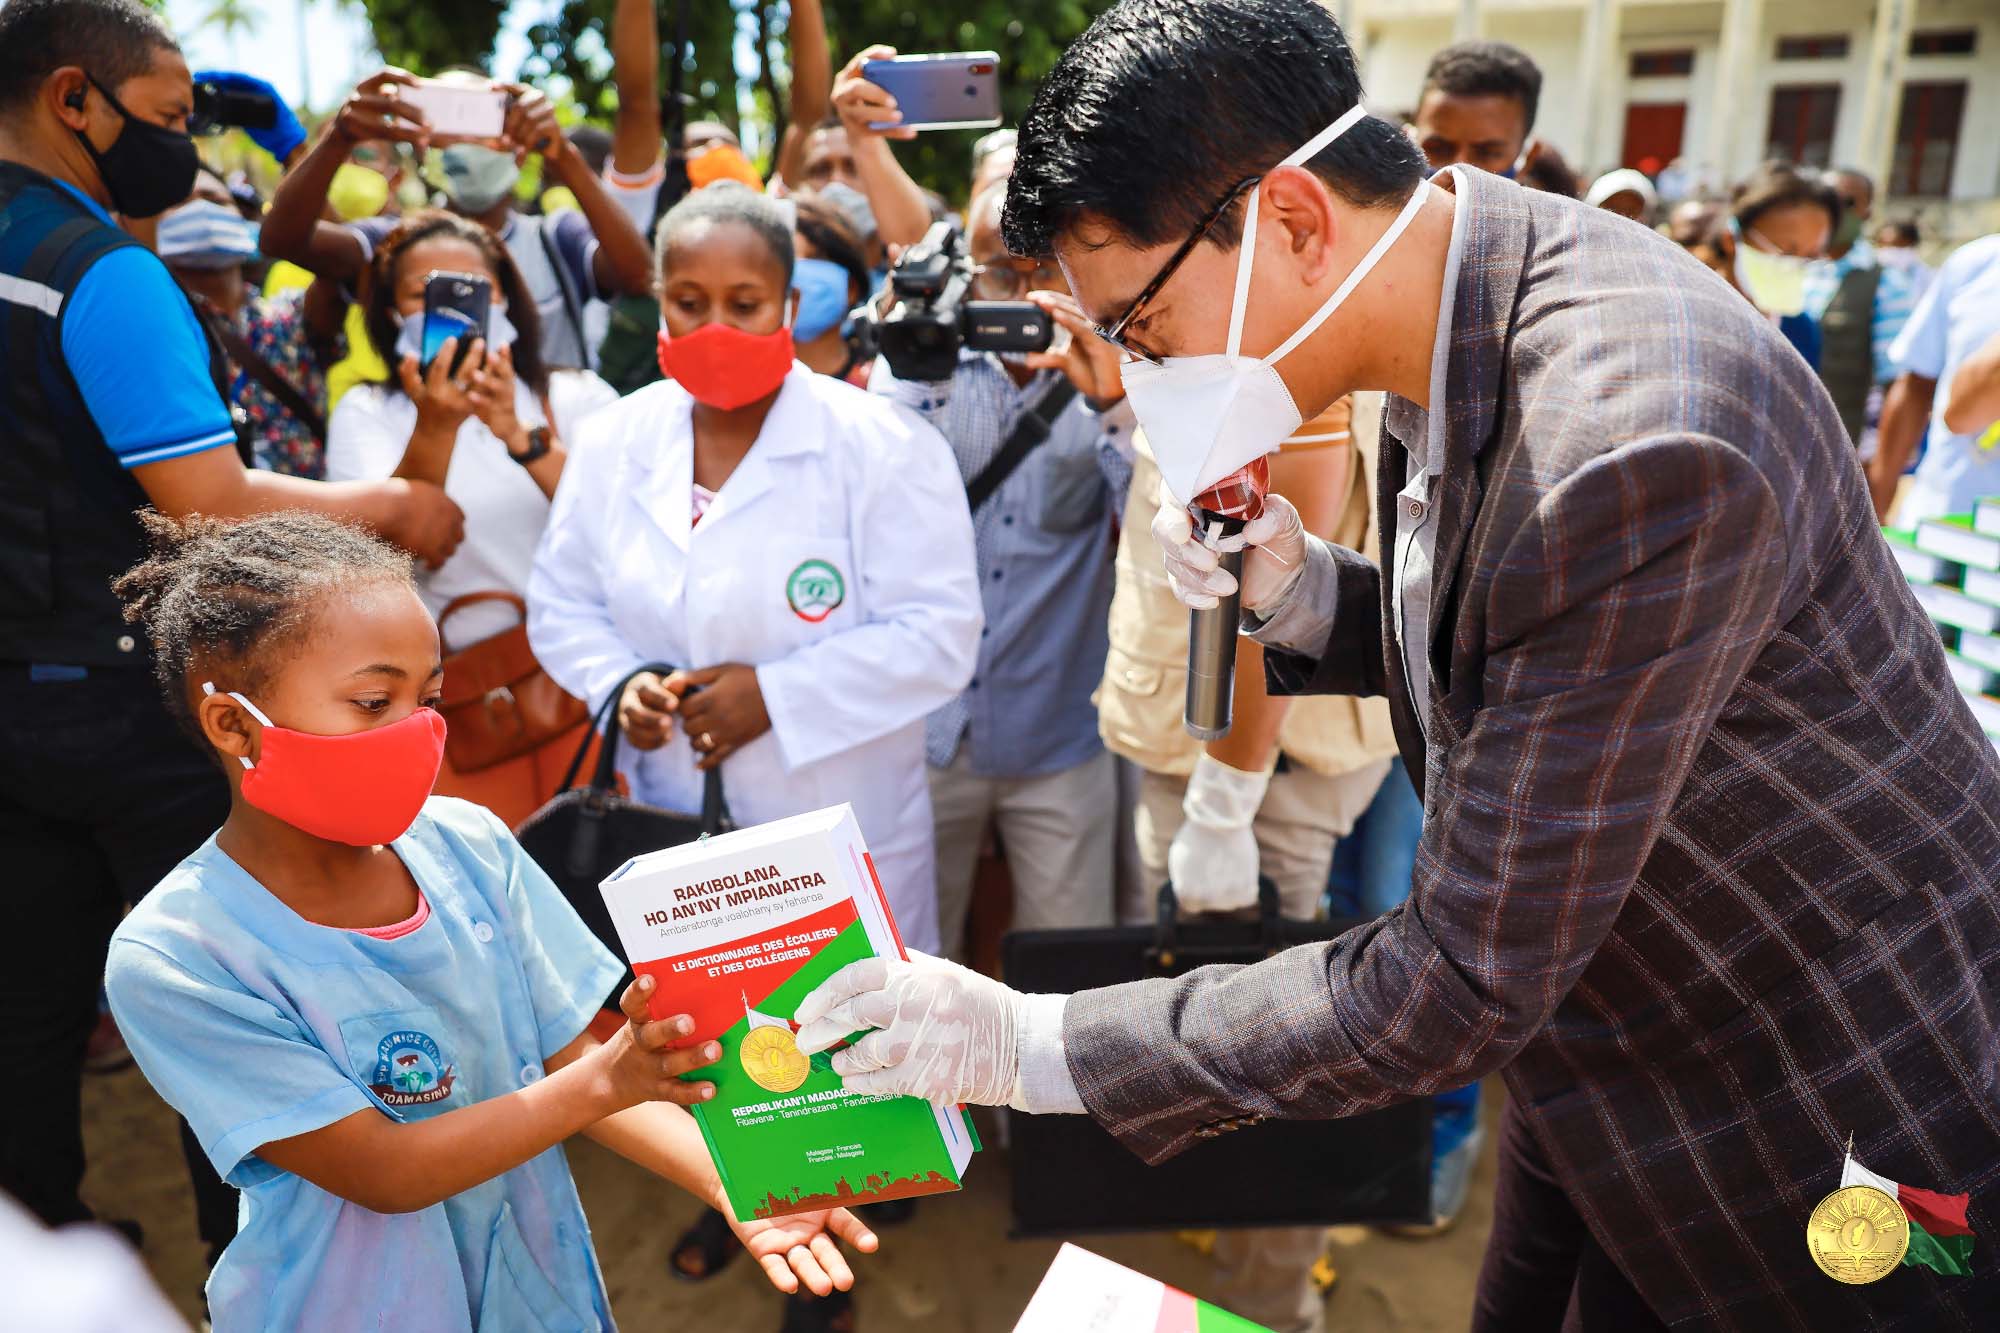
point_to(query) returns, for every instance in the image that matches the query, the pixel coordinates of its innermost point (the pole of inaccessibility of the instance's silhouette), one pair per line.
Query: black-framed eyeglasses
(1115, 335)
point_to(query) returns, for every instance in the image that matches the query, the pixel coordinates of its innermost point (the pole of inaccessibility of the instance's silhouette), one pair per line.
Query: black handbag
(585, 833)
(1071, 1176)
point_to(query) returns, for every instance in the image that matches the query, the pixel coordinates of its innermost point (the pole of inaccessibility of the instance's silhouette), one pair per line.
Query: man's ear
(1299, 202)
(1531, 154)
(227, 725)
(67, 90)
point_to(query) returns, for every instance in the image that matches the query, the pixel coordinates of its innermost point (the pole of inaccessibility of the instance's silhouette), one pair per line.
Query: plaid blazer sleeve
(1632, 598)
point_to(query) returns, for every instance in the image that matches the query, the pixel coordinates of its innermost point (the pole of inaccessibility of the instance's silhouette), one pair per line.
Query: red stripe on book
(883, 898)
(1178, 1313)
(1939, 1214)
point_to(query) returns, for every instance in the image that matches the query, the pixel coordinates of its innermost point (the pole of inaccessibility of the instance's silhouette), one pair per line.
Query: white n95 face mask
(1775, 283)
(1207, 416)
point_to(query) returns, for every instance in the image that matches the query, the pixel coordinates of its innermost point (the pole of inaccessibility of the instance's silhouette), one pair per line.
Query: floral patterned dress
(275, 328)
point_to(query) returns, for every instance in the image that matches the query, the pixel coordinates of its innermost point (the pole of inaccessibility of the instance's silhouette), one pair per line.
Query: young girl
(368, 1002)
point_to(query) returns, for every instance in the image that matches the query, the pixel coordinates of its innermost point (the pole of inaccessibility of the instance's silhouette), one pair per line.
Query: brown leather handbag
(498, 702)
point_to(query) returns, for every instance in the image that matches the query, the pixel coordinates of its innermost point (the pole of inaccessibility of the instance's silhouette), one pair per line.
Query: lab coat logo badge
(815, 590)
(410, 1071)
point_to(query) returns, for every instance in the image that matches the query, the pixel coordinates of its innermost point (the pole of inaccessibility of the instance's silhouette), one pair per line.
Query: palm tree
(233, 19)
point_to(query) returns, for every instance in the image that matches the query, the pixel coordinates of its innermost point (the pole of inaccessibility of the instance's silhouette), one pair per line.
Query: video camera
(930, 315)
(217, 108)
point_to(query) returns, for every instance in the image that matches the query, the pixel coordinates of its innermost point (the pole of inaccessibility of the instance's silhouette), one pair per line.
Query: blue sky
(336, 35)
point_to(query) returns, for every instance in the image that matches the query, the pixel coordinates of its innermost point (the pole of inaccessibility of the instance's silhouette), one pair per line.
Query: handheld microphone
(1220, 511)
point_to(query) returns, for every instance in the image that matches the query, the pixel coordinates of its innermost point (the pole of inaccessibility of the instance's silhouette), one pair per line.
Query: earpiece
(75, 100)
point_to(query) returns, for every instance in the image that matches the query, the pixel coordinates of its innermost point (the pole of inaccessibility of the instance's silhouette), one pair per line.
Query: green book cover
(736, 931)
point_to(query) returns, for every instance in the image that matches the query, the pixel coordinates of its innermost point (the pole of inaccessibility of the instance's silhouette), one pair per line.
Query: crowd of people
(669, 445)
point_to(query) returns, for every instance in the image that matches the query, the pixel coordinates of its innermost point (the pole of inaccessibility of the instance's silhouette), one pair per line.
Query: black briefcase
(1071, 1176)
(585, 833)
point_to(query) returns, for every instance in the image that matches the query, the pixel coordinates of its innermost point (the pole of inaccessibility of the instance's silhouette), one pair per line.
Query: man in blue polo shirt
(110, 403)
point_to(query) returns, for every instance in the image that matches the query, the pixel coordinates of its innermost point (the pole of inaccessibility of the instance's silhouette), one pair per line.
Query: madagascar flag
(1939, 1238)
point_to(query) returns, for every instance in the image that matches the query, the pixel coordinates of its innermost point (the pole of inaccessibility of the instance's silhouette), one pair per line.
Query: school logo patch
(410, 1071)
(815, 590)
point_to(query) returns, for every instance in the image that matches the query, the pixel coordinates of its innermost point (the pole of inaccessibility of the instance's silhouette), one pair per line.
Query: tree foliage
(576, 45)
(427, 36)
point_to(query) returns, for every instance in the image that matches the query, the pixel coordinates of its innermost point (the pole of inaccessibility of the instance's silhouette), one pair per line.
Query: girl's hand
(443, 400)
(721, 708)
(801, 1248)
(646, 712)
(637, 1065)
(861, 104)
(1090, 362)
(492, 399)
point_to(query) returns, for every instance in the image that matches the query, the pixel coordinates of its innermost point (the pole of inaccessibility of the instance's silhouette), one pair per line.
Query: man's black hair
(1161, 106)
(1486, 69)
(115, 40)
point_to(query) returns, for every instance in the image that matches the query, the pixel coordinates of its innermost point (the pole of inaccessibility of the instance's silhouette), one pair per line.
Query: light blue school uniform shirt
(1956, 317)
(257, 1025)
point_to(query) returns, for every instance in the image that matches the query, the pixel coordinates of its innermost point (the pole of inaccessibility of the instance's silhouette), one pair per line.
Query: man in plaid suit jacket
(1709, 863)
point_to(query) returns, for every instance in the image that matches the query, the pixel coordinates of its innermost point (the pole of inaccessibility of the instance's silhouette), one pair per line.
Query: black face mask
(148, 168)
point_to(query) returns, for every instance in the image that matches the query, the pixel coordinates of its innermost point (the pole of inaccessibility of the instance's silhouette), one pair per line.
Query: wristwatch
(540, 438)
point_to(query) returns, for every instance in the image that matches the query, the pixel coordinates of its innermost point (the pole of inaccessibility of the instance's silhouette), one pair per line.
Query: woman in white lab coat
(799, 549)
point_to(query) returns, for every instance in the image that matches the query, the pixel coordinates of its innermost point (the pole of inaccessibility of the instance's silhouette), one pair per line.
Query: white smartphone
(458, 110)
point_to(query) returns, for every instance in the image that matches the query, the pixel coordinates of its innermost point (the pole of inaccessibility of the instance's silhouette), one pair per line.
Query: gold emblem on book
(1857, 1234)
(772, 1059)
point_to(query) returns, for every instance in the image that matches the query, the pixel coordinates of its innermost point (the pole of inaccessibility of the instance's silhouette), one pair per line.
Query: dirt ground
(951, 1270)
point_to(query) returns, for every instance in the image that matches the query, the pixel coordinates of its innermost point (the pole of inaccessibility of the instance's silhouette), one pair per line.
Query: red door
(1653, 134)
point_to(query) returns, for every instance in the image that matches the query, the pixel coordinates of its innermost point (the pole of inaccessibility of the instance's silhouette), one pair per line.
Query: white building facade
(1906, 90)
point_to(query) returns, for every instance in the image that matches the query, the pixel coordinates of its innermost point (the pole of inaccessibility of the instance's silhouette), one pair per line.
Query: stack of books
(1953, 566)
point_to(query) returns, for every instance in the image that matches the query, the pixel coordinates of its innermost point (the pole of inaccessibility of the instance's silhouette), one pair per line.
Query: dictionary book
(736, 930)
(1086, 1293)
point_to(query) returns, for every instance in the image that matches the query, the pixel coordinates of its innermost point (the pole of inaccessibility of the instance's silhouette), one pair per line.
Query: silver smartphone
(956, 91)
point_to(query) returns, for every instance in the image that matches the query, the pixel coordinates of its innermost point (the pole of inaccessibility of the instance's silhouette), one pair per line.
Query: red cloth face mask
(362, 789)
(725, 367)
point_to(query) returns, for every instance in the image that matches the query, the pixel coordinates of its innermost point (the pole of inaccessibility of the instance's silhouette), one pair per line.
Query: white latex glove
(1277, 542)
(947, 1034)
(1213, 859)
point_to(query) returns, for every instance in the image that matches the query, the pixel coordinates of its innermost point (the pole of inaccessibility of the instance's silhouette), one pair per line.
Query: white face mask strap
(1247, 250)
(1360, 271)
(1246, 253)
(208, 687)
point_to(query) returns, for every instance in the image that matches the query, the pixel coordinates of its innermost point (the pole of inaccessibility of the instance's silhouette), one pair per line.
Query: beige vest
(1140, 701)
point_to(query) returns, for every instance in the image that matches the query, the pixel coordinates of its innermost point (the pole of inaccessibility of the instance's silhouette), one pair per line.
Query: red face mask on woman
(361, 789)
(725, 367)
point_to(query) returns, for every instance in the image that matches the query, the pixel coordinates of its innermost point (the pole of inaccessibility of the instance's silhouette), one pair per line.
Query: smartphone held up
(456, 305)
(958, 90)
(460, 112)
